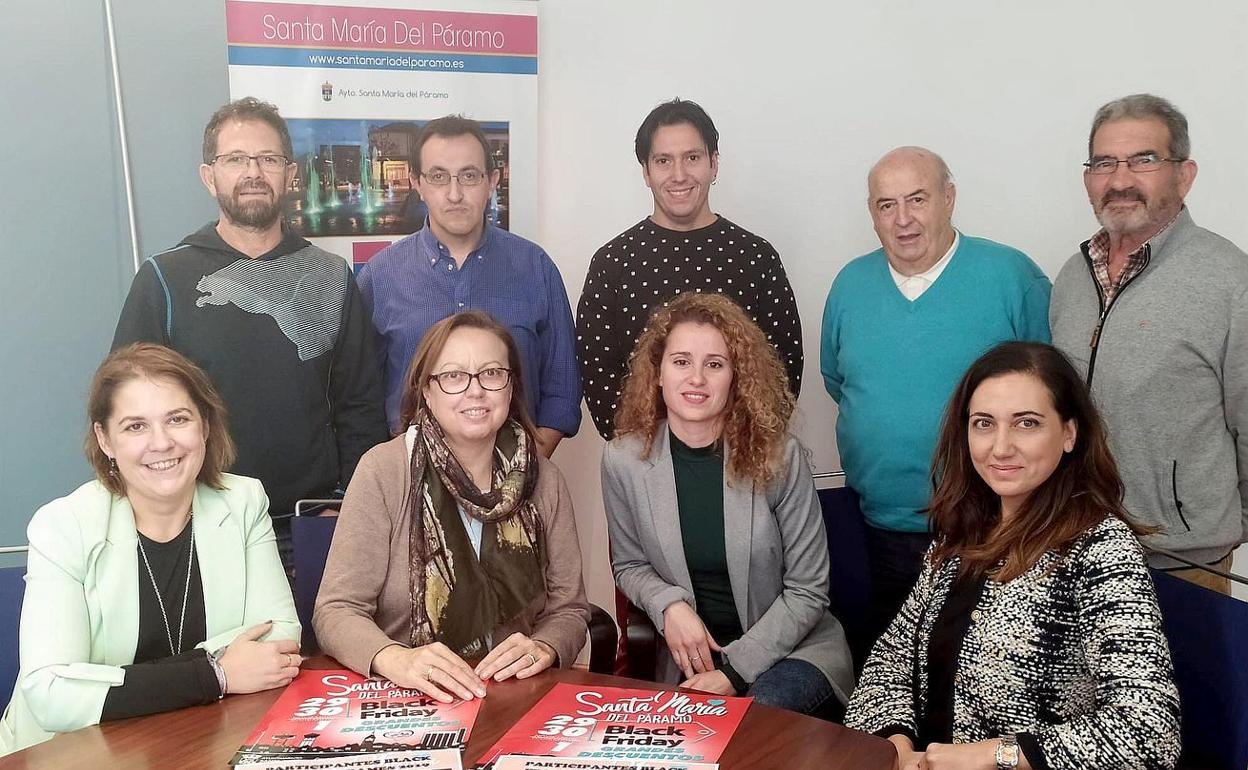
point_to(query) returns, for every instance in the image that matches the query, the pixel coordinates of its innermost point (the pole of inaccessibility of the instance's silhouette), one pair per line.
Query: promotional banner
(613, 723)
(356, 81)
(330, 714)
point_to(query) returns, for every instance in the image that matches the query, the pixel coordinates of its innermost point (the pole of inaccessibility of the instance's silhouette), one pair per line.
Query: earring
(112, 466)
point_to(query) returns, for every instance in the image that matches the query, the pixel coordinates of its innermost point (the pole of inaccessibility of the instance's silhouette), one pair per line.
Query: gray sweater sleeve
(1235, 385)
(804, 598)
(634, 574)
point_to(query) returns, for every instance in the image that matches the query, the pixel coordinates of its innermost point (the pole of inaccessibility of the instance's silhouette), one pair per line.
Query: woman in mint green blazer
(157, 585)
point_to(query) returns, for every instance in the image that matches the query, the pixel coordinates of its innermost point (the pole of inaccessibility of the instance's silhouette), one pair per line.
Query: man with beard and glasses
(1154, 312)
(275, 321)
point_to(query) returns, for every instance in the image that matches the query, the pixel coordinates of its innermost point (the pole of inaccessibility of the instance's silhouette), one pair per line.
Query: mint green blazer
(80, 615)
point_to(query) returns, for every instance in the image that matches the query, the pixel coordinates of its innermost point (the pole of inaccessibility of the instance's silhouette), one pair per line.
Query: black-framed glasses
(469, 177)
(453, 383)
(1140, 164)
(237, 161)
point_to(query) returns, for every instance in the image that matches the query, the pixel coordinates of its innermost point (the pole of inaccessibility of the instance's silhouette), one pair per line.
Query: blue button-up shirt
(414, 283)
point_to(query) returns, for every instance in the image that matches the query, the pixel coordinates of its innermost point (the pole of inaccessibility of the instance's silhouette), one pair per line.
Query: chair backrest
(12, 589)
(850, 589)
(311, 536)
(1208, 635)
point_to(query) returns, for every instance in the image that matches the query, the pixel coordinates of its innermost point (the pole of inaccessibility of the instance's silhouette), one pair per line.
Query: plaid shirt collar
(1098, 252)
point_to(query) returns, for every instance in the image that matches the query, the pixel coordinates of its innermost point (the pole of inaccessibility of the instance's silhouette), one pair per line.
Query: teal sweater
(891, 364)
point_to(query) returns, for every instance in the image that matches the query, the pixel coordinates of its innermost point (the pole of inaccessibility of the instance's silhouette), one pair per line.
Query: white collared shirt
(913, 286)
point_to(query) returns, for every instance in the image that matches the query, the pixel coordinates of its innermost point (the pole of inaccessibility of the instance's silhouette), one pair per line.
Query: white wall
(807, 96)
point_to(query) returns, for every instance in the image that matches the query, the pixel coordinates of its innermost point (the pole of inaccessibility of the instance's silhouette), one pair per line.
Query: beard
(253, 213)
(1150, 216)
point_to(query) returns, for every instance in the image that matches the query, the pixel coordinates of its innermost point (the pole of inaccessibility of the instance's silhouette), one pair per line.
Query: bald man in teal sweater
(900, 327)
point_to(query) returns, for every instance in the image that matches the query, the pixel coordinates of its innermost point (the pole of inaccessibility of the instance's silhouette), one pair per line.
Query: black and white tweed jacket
(1069, 655)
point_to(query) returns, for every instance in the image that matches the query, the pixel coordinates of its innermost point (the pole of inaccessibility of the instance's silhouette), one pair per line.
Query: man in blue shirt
(459, 261)
(900, 327)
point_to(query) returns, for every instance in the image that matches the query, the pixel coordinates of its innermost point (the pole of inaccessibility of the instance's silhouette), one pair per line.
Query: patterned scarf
(459, 598)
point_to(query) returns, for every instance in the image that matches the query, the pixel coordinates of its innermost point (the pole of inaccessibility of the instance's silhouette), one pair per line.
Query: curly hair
(759, 403)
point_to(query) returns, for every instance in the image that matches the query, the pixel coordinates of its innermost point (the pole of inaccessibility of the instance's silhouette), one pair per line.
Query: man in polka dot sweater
(682, 246)
(900, 327)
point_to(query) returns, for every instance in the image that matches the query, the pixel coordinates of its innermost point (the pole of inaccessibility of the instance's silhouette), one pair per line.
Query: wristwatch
(1007, 753)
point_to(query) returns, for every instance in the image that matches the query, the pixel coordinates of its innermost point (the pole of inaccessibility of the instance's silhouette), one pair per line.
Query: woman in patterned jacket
(1033, 637)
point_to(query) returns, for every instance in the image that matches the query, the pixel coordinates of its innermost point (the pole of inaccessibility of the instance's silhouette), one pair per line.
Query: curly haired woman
(715, 527)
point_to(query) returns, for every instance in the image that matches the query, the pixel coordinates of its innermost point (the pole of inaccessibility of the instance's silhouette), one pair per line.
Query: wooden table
(207, 736)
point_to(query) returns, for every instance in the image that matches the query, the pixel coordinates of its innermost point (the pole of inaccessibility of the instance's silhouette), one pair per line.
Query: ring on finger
(695, 656)
(530, 656)
(429, 673)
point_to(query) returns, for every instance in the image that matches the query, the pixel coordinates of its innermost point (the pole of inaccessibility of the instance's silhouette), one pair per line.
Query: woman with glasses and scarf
(456, 560)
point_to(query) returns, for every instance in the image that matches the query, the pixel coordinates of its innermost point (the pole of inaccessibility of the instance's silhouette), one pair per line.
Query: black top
(159, 680)
(646, 266)
(288, 346)
(700, 502)
(950, 628)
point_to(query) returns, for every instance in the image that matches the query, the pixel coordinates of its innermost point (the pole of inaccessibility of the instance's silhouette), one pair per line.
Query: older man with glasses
(1154, 311)
(458, 261)
(275, 321)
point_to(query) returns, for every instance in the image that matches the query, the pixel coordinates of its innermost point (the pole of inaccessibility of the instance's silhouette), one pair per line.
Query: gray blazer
(777, 559)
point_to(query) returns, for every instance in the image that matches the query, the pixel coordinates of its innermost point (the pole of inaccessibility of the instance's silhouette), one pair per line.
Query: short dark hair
(426, 357)
(449, 126)
(144, 360)
(248, 108)
(1082, 491)
(670, 114)
(1146, 107)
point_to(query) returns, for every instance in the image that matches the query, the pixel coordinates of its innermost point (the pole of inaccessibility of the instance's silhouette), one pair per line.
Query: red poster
(330, 713)
(613, 723)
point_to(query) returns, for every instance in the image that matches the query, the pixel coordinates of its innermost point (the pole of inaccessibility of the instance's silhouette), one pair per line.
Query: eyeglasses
(469, 177)
(237, 161)
(1140, 164)
(452, 383)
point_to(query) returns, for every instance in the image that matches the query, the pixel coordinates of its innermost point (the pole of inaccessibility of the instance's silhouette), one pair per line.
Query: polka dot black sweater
(645, 266)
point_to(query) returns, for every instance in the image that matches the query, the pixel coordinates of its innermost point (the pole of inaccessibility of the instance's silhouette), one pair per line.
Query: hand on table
(981, 755)
(907, 757)
(711, 681)
(688, 639)
(517, 656)
(433, 669)
(251, 665)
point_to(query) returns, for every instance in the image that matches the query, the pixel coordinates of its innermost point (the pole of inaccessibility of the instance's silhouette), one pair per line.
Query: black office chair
(12, 589)
(312, 536)
(1207, 632)
(849, 585)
